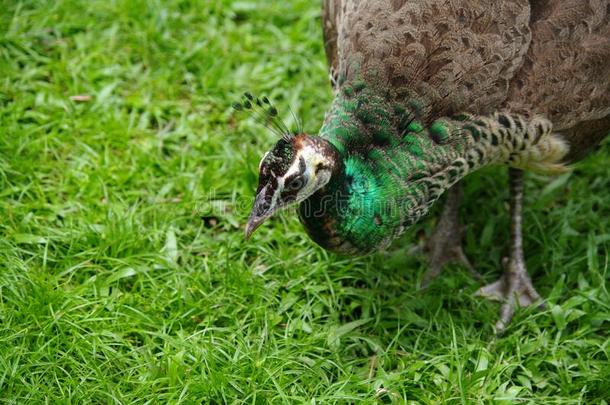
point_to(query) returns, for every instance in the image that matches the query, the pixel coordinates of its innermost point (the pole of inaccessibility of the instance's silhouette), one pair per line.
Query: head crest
(266, 114)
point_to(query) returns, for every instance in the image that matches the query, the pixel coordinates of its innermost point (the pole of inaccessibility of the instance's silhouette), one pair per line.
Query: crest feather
(265, 113)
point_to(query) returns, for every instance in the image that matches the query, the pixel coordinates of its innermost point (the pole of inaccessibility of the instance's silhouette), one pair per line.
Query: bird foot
(514, 288)
(445, 244)
(442, 249)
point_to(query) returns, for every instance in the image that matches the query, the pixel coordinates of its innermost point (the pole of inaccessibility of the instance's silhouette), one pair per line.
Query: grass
(124, 276)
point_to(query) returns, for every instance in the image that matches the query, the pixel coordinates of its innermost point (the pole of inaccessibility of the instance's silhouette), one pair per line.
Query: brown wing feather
(452, 55)
(566, 74)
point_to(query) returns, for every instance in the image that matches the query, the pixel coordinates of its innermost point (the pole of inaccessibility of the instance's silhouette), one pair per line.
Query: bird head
(296, 167)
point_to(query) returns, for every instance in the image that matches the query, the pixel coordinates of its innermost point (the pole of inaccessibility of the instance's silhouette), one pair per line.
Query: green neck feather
(395, 166)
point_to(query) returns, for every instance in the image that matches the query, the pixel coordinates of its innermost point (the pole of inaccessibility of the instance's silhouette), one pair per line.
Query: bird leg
(514, 287)
(445, 244)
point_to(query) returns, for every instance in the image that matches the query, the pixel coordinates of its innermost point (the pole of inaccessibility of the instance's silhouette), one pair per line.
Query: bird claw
(438, 258)
(514, 288)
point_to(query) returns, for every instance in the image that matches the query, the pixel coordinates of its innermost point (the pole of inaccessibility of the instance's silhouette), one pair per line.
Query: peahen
(427, 91)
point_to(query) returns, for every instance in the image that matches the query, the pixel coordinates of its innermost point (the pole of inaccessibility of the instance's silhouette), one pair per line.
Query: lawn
(124, 274)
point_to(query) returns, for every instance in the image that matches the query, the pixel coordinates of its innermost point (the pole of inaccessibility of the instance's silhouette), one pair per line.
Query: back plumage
(547, 57)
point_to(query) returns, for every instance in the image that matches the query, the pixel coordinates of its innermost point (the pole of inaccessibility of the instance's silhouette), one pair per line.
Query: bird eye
(295, 184)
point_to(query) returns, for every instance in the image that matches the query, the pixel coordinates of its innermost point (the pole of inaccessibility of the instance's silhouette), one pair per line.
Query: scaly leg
(514, 287)
(445, 244)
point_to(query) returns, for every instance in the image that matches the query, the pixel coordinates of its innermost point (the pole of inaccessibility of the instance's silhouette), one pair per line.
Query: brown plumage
(543, 57)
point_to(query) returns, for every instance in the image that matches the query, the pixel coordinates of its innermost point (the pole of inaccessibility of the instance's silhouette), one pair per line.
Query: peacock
(426, 92)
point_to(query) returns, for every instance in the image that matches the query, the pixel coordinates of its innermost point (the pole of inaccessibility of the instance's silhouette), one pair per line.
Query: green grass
(124, 276)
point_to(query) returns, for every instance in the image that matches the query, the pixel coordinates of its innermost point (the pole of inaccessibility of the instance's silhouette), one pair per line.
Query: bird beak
(262, 209)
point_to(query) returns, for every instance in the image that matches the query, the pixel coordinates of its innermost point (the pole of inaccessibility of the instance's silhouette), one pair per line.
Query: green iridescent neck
(361, 117)
(377, 127)
(395, 165)
(366, 122)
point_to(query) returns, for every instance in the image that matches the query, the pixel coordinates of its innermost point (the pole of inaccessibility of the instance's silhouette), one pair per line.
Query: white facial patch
(313, 180)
